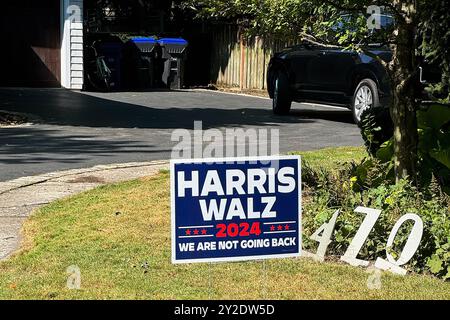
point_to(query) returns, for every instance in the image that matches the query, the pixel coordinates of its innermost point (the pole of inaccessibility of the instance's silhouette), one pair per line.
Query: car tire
(281, 101)
(365, 97)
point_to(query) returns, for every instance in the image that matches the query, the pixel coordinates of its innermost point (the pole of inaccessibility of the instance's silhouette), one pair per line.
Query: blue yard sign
(235, 209)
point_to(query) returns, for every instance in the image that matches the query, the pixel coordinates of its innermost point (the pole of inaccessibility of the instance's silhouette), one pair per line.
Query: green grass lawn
(329, 157)
(127, 256)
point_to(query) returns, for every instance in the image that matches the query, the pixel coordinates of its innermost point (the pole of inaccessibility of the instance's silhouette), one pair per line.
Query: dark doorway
(30, 48)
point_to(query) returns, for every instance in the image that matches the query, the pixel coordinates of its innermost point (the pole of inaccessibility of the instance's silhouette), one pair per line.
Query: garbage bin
(174, 53)
(112, 53)
(141, 53)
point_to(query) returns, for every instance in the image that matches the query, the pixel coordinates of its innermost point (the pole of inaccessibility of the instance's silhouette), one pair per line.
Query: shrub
(371, 183)
(331, 190)
(376, 127)
(433, 122)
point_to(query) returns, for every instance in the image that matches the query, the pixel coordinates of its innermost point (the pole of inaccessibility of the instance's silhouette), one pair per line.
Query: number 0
(408, 250)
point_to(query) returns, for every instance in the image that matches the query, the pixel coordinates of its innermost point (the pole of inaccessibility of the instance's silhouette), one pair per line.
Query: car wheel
(281, 102)
(364, 98)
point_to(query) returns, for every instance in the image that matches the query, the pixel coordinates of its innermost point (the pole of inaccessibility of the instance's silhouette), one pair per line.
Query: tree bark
(403, 71)
(403, 113)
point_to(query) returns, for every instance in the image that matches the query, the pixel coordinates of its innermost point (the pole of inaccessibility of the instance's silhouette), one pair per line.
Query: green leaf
(435, 264)
(443, 140)
(427, 139)
(447, 276)
(443, 156)
(386, 151)
(435, 117)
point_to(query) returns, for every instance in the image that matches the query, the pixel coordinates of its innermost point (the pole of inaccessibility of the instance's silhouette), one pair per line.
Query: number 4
(325, 239)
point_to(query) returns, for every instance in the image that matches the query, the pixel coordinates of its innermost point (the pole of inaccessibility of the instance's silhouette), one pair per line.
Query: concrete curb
(23, 182)
(237, 93)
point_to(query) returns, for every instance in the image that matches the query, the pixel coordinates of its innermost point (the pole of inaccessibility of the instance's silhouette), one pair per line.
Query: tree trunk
(403, 71)
(405, 133)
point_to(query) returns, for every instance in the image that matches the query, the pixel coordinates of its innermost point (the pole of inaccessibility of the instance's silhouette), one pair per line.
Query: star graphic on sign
(204, 231)
(272, 228)
(286, 227)
(280, 227)
(195, 231)
(188, 232)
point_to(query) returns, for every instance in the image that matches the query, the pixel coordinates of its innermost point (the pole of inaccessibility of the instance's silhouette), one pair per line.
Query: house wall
(72, 44)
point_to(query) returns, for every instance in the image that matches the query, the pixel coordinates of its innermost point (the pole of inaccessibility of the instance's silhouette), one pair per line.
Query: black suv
(310, 73)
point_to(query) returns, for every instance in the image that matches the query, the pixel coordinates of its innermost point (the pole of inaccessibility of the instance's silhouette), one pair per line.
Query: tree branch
(313, 40)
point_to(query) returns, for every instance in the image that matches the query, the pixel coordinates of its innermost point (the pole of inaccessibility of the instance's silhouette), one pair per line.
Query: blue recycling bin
(173, 45)
(143, 60)
(174, 56)
(145, 44)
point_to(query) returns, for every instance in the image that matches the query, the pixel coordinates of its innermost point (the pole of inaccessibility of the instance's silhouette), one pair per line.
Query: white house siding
(72, 44)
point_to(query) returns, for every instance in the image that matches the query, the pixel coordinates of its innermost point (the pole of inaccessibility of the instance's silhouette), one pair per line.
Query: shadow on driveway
(75, 130)
(67, 108)
(343, 115)
(27, 145)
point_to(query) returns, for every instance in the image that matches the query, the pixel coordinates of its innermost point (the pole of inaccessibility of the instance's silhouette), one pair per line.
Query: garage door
(30, 48)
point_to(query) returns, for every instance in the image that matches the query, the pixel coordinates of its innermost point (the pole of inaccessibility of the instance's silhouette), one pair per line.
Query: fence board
(226, 58)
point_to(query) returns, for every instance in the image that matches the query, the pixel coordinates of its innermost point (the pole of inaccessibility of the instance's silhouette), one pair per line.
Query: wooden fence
(241, 62)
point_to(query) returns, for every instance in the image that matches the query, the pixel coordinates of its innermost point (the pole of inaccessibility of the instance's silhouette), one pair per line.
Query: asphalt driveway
(76, 130)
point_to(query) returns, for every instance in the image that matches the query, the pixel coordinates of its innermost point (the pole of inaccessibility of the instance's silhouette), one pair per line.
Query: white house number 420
(324, 233)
